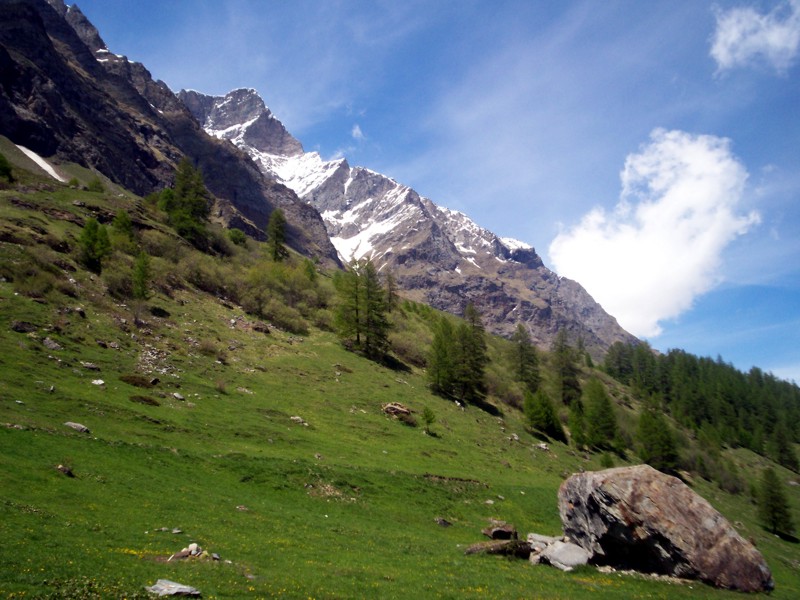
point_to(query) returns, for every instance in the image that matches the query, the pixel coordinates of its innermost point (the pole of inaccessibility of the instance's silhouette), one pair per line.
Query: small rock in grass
(77, 427)
(98, 382)
(51, 344)
(65, 470)
(165, 587)
(178, 396)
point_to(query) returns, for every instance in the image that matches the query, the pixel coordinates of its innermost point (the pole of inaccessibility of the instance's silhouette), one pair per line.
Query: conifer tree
(656, 441)
(541, 414)
(94, 245)
(188, 204)
(781, 449)
(440, 358)
(525, 360)
(141, 276)
(773, 508)
(566, 369)
(361, 312)
(601, 423)
(276, 235)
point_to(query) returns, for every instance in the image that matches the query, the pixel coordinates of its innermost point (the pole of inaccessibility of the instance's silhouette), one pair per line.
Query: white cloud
(745, 36)
(661, 246)
(357, 134)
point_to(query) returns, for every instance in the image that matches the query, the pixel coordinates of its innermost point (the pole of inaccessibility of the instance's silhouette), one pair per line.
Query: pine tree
(141, 276)
(577, 423)
(781, 449)
(566, 369)
(541, 415)
(276, 235)
(656, 441)
(123, 225)
(601, 423)
(94, 245)
(188, 204)
(525, 360)
(361, 312)
(470, 357)
(773, 508)
(376, 325)
(440, 358)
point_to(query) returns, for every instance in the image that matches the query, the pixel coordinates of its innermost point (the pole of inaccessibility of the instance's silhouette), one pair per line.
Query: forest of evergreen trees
(725, 406)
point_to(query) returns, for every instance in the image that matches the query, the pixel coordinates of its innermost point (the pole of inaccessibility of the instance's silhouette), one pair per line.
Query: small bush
(237, 236)
(95, 185)
(147, 400)
(136, 380)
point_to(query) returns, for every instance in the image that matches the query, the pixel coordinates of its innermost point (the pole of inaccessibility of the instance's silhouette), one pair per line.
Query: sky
(648, 150)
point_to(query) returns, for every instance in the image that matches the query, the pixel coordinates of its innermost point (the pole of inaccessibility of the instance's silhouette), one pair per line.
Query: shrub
(95, 185)
(5, 169)
(237, 236)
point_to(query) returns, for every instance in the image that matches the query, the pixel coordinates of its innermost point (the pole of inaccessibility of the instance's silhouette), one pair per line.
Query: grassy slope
(341, 508)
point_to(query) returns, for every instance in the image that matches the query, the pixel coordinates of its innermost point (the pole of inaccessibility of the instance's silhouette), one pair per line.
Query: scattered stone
(77, 427)
(641, 519)
(242, 508)
(113, 345)
(395, 409)
(98, 382)
(23, 327)
(443, 522)
(178, 396)
(562, 555)
(517, 548)
(80, 312)
(90, 366)
(298, 420)
(500, 530)
(176, 530)
(51, 344)
(65, 470)
(489, 502)
(544, 447)
(165, 587)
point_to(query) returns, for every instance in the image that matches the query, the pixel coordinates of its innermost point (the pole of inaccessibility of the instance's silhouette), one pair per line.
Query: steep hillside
(438, 256)
(269, 448)
(64, 95)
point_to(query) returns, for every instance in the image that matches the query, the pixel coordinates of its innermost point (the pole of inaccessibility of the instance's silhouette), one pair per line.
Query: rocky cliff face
(64, 95)
(438, 256)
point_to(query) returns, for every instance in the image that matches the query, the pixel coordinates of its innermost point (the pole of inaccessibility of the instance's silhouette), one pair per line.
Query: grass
(344, 506)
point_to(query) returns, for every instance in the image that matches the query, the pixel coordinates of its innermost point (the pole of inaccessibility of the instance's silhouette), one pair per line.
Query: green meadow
(192, 439)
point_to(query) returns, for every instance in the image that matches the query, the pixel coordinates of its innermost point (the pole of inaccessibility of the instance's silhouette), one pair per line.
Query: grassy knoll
(341, 505)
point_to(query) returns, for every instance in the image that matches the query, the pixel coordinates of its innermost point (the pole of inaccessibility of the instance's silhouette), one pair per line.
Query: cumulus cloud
(744, 36)
(661, 246)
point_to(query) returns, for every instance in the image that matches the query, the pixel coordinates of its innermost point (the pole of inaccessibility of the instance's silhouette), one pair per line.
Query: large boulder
(641, 519)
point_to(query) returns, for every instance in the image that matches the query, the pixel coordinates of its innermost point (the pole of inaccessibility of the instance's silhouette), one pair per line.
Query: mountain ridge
(437, 255)
(67, 97)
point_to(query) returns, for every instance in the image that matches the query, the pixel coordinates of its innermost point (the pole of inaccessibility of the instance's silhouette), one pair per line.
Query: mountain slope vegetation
(223, 409)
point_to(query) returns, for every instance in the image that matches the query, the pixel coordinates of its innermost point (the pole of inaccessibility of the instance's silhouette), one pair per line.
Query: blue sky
(650, 150)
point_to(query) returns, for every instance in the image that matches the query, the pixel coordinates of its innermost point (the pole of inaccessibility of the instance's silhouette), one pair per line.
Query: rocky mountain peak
(437, 255)
(84, 28)
(242, 117)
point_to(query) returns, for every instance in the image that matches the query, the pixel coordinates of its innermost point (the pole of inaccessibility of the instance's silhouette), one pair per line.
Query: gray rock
(77, 427)
(543, 539)
(637, 518)
(178, 396)
(51, 344)
(562, 555)
(165, 587)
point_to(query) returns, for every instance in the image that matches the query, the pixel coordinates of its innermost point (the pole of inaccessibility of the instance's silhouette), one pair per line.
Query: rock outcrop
(641, 519)
(67, 97)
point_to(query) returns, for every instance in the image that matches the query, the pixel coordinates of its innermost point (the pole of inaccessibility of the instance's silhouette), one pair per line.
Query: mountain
(438, 256)
(67, 97)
